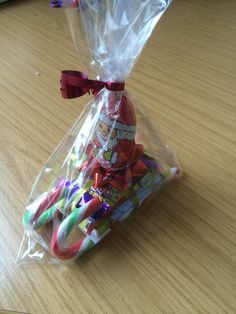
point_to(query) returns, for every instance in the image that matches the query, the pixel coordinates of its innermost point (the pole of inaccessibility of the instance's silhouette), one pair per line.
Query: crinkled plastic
(113, 157)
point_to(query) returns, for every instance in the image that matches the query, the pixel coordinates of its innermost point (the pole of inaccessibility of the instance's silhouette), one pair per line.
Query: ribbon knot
(75, 84)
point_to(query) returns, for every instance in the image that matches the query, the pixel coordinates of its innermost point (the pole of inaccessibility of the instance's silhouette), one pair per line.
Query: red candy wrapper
(112, 158)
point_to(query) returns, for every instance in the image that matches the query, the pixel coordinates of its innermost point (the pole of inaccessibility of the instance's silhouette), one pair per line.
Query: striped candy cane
(44, 212)
(58, 245)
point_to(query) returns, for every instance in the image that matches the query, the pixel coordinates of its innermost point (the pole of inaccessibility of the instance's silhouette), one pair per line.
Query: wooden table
(178, 253)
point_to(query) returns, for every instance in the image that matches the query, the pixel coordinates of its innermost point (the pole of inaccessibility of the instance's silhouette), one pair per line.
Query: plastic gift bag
(112, 158)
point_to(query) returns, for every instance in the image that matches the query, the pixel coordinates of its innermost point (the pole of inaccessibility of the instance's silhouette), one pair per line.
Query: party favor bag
(112, 158)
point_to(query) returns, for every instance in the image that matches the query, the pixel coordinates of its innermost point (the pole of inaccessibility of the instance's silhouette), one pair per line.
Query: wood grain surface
(178, 253)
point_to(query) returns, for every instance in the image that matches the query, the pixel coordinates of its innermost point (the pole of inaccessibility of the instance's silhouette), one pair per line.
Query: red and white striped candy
(58, 243)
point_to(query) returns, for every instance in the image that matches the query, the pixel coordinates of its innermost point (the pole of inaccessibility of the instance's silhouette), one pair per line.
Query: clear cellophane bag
(113, 157)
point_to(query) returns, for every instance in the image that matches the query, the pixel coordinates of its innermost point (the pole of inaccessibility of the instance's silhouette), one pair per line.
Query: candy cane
(48, 215)
(47, 209)
(33, 215)
(58, 245)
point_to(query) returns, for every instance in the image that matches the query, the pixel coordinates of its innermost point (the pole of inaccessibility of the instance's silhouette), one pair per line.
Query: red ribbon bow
(75, 84)
(119, 180)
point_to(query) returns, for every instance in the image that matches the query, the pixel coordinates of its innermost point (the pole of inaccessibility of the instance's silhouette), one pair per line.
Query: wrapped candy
(112, 158)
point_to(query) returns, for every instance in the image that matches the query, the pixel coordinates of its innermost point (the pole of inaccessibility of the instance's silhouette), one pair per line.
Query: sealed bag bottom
(106, 166)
